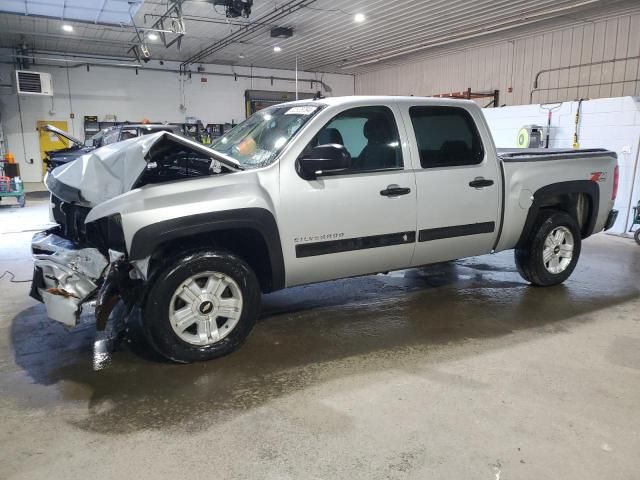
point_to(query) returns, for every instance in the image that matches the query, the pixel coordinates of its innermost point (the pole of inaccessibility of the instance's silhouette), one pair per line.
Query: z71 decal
(598, 177)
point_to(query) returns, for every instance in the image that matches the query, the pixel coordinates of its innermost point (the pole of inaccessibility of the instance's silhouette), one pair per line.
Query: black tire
(529, 255)
(155, 313)
(22, 201)
(637, 236)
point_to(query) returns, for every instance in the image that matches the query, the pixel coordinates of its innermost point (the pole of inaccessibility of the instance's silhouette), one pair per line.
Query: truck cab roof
(355, 100)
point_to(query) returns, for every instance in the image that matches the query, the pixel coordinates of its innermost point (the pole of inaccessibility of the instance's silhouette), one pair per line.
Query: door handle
(480, 182)
(395, 191)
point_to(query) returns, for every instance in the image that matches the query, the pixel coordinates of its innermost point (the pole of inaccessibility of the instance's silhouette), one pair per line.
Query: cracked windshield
(257, 141)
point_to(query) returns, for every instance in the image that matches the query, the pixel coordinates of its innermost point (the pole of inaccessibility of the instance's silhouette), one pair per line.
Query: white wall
(150, 94)
(612, 123)
(514, 62)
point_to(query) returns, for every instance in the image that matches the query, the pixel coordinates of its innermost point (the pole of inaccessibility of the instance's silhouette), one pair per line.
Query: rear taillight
(616, 181)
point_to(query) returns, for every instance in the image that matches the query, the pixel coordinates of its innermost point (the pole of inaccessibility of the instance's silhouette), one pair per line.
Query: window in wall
(446, 137)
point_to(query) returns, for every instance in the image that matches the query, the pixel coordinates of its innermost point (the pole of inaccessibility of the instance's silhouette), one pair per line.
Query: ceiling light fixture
(359, 18)
(241, 55)
(152, 36)
(277, 49)
(67, 28)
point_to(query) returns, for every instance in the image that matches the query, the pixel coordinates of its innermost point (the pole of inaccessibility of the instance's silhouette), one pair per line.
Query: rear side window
(446, 136)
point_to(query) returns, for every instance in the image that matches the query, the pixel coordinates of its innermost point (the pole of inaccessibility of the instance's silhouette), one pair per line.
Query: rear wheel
(550, 253)
(202, 306)
(637, 236)
(21, 201)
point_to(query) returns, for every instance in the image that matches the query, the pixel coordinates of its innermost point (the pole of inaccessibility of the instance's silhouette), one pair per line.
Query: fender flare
(146, 240)
(591, 189)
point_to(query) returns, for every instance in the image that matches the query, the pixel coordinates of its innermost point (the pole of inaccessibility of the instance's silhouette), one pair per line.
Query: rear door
(458, 183)
(353, 222)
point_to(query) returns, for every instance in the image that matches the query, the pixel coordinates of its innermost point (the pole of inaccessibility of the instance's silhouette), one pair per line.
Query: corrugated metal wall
(515, 64)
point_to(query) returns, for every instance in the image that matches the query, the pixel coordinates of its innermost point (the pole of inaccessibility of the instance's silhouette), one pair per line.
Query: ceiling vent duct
(282, 32)
(33, 83)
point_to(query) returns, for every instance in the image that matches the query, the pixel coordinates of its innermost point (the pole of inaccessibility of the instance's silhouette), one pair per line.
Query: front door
(358, 221)
(458, 183)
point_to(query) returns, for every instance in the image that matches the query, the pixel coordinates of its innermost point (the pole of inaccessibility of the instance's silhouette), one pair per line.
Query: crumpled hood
(112, 170)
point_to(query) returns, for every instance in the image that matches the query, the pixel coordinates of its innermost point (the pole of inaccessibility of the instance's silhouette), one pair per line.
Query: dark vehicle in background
(128, 131)
(107, 136)
(75, 149)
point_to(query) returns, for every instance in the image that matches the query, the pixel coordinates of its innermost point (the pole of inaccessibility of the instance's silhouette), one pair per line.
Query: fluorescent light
(241, 55)
(277, 49)
(67, 28)
(359, 18)
(152, 36)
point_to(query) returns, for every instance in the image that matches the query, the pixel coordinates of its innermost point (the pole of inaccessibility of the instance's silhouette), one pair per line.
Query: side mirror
(330, 158)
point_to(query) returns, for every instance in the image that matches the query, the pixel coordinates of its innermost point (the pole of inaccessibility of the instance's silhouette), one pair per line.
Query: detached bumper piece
(611, 219)
(66, 276)
(117, 285)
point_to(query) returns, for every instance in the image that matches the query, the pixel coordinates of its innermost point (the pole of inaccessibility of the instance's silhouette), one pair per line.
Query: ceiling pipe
(81, 63)
(115, 43)
(82, 55)
(67, 61)
(49, 17)
(590, 64)
(586, 85)
(225, 21)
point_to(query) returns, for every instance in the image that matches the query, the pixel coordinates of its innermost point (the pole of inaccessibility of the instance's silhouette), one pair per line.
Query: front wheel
(201, 306)
(637, 236)
(550, 252)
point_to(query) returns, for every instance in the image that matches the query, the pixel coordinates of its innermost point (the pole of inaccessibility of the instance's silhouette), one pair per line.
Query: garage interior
(452, 370)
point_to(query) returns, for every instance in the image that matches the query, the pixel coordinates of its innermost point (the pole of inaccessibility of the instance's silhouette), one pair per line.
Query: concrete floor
(459, 371)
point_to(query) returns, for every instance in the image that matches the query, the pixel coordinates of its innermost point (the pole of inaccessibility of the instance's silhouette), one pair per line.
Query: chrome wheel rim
(205, 308)
(558, 250)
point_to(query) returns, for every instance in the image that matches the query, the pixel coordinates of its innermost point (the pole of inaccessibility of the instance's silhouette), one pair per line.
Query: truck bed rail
(548, 154)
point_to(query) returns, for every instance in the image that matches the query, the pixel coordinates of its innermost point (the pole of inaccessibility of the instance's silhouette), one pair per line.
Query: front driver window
(369, 134)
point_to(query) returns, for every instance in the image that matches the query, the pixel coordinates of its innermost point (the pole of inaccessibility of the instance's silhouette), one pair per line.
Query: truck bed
(546, 154)
(524, 174)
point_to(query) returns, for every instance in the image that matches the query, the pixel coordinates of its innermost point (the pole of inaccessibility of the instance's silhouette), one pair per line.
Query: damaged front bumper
(66, 276)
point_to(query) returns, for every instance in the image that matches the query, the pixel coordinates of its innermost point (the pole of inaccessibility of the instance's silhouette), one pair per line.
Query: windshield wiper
(228, 160)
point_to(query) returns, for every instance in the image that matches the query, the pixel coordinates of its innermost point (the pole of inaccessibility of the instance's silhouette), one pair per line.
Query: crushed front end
(80, 268)
(66, 276)
(82, 264)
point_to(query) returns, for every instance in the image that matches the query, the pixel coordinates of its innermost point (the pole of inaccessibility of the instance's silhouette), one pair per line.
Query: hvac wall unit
(33, 83)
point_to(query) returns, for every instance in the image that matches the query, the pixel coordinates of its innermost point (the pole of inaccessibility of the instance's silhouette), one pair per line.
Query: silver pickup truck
(303, 192)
